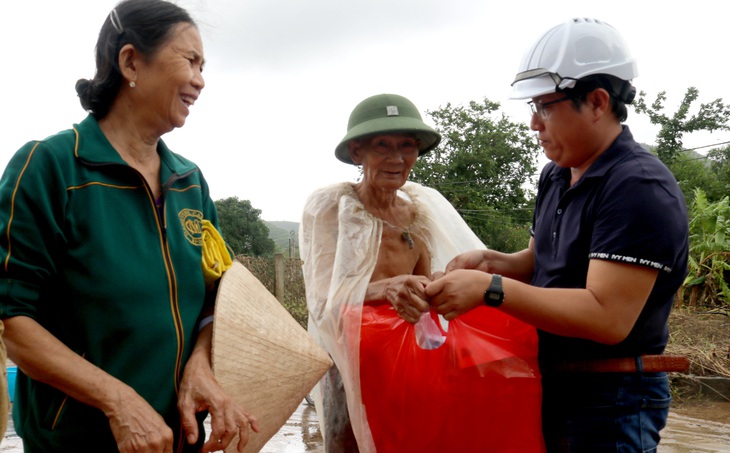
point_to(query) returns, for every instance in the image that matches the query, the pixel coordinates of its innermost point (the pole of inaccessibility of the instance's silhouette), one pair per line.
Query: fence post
(279, 277)
(292, 239)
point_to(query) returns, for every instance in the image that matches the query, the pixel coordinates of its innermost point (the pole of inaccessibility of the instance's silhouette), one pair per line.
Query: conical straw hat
(262, 357)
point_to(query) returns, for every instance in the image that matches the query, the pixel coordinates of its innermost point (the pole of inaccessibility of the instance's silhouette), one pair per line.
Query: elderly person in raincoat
(369, 249)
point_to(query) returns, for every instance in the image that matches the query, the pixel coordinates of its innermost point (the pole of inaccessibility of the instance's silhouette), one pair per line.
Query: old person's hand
(199, 391)
(137, 427)
(407, 294)
(458, 292)
(473, 259)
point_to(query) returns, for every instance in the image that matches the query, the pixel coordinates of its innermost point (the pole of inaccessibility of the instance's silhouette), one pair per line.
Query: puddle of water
(687, 431)
(300, 434)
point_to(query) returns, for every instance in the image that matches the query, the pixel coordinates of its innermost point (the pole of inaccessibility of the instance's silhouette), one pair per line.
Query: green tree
(485, 166)
(719, 159)
(709, 117)
(709, 260)
(243, 229)
(692, 171)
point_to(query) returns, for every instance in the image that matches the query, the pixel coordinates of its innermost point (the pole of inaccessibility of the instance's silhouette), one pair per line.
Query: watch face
(493, 299)
(494, 296)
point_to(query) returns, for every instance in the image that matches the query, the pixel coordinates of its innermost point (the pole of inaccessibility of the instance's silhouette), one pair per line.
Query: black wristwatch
(494, 296)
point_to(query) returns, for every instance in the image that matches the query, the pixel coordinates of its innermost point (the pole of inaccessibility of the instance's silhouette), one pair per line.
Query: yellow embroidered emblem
(192, 223)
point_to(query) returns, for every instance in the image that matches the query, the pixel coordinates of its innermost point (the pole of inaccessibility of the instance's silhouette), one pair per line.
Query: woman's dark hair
(147, 25)
(621, 92)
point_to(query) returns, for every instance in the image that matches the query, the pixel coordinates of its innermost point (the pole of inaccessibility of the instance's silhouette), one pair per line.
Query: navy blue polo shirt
(627, 207)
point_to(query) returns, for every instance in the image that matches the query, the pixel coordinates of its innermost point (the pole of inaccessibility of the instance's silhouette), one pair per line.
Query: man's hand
(473, 259)
(458, 291)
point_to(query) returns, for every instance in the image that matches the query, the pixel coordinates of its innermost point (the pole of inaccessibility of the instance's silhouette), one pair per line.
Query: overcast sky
(282, 76)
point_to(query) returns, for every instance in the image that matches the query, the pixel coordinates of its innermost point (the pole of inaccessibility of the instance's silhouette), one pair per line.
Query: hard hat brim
(534, 87)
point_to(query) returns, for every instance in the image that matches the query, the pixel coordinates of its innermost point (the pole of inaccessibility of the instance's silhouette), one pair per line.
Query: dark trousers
(604, 412)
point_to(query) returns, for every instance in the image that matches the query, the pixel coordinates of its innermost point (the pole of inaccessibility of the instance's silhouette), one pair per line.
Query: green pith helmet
(385, 114)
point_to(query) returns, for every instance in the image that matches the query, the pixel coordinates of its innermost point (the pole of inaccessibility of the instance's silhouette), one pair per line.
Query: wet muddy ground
(686, 434)
(693, 429)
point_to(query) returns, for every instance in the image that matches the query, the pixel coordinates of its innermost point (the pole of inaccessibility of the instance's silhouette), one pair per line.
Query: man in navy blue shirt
(608, 250)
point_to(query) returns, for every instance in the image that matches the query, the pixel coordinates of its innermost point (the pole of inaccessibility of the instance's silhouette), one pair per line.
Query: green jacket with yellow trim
(86, 253)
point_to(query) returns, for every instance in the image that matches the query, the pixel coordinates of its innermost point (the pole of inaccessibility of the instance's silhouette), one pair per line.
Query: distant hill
(284, 225)
(280, 232)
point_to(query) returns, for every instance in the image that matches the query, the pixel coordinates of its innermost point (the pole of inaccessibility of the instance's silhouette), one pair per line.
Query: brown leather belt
(644, 363)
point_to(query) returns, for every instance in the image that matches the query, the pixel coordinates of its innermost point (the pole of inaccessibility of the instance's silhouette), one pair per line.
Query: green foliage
(242, 228)
(710, 117)
(719, 159)
(693, 172)
(710, 173)
(484, 167)
(709, 262)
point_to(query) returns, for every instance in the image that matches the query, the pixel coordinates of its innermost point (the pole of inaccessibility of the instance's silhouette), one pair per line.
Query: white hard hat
(569, 52)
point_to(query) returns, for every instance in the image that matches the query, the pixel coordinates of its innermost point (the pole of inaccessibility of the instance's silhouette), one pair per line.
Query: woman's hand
(137, 427)
(406, 293)
(199, 391)
(134, 423)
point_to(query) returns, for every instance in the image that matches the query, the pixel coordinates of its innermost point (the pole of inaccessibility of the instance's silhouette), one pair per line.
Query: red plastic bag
(478, 392)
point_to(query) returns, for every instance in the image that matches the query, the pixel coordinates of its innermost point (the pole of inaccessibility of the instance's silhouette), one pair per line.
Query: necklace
(405, 235)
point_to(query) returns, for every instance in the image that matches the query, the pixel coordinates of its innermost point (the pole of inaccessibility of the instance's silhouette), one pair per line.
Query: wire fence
(293, 297)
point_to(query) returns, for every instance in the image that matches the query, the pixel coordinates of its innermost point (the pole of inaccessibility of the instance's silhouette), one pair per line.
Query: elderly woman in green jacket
(102, 290)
